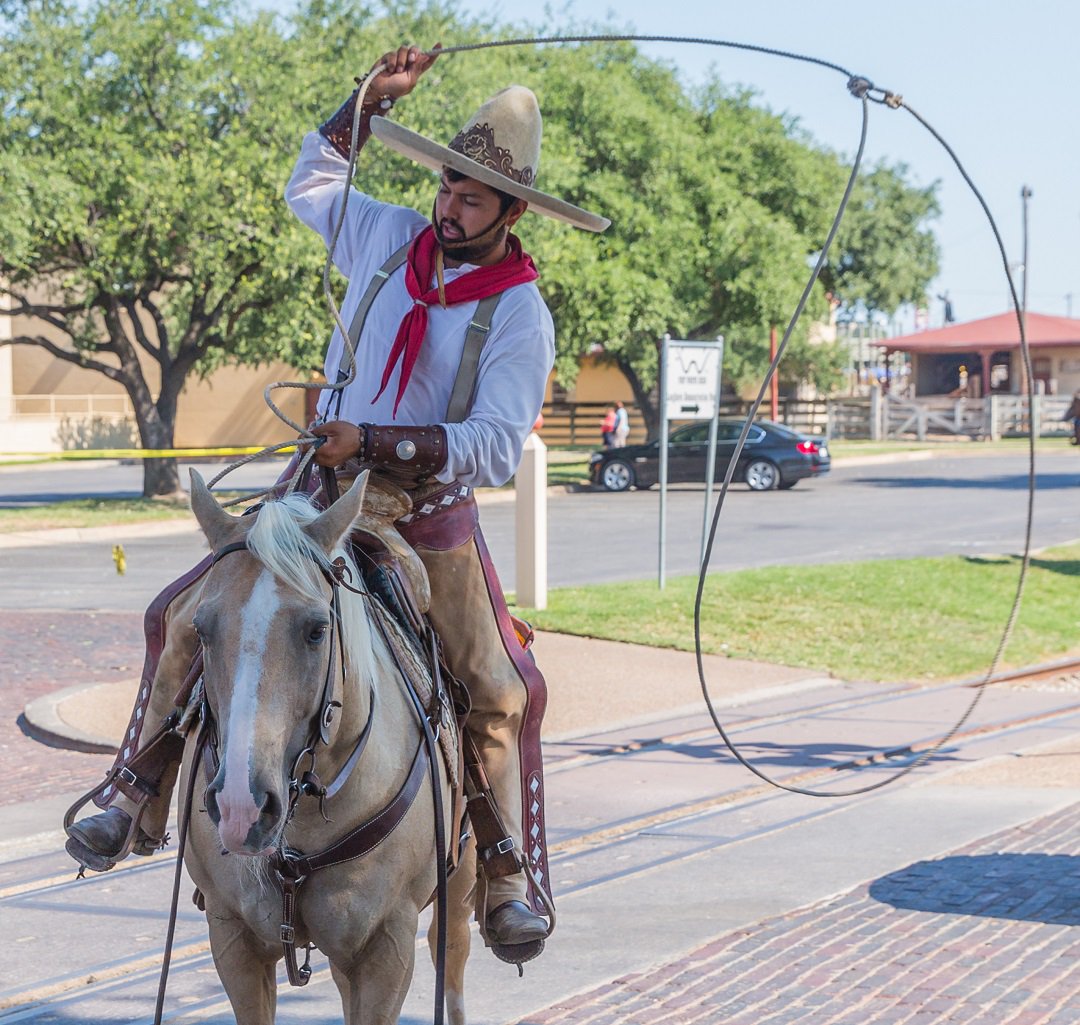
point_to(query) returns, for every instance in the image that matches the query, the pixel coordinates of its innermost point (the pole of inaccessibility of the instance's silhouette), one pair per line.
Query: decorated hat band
(498, 146)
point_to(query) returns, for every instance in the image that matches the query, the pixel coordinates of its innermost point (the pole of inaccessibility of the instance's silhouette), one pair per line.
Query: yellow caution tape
(145, 453)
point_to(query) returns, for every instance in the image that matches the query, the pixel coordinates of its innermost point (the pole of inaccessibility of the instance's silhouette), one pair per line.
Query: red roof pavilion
(988, 335)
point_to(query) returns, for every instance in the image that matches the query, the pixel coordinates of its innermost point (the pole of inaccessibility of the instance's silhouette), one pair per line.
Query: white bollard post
(530, 520)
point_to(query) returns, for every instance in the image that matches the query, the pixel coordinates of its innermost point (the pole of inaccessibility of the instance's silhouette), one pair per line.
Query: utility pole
(1025, 195)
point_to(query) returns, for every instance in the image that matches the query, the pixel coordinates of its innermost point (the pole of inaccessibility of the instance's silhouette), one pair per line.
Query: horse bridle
(293, 868)
(335, 574)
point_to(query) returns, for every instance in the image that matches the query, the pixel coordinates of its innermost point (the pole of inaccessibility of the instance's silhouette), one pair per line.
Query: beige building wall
(228, 409)
(596, 382)
(37, 372)
(1065, 363)
(48, 404)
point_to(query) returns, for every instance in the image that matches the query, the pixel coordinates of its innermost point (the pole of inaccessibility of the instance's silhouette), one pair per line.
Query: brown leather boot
(515, 933)
(98, 842)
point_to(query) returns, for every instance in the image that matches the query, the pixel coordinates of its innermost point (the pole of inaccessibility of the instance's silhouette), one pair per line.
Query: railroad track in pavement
(47, 884)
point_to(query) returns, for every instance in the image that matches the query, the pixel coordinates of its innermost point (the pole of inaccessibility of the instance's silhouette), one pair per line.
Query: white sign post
(530, 520)
(689, 390)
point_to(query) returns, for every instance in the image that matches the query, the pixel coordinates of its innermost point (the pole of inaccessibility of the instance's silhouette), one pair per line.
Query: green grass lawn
(90, 512)
(899, 619)
(99, 512)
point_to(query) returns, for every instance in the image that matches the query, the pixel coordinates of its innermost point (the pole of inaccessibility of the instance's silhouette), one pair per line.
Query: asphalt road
(660, 843)
(966, 504)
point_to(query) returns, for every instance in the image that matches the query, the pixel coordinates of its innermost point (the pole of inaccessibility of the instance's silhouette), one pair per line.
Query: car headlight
(595, 458)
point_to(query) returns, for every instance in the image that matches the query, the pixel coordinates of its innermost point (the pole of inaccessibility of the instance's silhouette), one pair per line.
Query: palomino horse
(290, 692)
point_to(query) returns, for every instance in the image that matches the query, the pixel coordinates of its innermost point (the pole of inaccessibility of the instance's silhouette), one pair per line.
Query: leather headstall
(293, 867)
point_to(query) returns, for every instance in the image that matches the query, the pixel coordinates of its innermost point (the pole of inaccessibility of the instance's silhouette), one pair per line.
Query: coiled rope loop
(864, 90)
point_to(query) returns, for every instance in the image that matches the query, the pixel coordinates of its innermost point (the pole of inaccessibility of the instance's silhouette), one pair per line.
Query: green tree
(885, 254)
(142, 146)
(714, 206)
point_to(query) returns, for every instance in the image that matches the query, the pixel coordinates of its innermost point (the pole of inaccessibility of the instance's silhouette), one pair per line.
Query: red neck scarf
(516, 269)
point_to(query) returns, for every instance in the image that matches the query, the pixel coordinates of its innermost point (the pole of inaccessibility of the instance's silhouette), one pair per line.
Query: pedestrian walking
(622, 425)
(607, 428)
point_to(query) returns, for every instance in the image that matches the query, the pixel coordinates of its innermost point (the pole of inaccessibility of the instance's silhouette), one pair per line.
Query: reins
(291, 867)
(866, 92)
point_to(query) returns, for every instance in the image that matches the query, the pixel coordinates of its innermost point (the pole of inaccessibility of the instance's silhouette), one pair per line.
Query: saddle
(395, 575)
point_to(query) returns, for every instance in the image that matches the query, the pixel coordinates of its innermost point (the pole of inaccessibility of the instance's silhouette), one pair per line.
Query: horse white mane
(277, 539)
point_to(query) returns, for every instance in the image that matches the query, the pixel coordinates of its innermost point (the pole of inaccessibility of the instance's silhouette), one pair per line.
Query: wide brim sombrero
(499, 146)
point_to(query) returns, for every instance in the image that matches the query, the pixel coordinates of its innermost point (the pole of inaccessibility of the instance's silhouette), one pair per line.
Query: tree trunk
(161, 477)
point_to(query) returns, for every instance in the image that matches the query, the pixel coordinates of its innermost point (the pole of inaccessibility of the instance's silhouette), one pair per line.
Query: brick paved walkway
(41, 652)
(986, 935)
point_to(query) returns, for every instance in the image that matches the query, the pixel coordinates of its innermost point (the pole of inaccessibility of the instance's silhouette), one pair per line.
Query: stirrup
(137, 788)
(136, 841)
(518, 953)
(521, 953)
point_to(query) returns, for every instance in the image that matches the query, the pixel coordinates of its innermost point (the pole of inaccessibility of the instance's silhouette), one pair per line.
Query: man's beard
(469, 250)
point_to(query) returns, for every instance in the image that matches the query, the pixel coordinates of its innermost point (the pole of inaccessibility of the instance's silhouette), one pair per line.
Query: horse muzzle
(249, 819)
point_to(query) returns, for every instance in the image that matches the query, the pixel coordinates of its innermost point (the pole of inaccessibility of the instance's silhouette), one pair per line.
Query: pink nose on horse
(247, 819)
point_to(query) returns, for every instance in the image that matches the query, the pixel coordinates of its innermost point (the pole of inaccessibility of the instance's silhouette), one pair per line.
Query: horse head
(266, 620)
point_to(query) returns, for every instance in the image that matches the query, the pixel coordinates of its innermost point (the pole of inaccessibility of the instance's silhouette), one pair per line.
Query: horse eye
(316, 633)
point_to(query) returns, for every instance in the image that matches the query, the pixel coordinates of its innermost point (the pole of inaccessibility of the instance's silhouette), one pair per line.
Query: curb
(44, 723)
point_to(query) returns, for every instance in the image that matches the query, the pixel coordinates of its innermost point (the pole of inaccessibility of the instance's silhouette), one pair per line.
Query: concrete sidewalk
(592, 684)
(948, 901)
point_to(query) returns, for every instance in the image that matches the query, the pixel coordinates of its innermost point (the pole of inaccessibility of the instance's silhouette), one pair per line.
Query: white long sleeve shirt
(516, 360)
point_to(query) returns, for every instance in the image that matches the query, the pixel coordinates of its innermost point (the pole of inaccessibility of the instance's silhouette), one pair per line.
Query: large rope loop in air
(864, 90)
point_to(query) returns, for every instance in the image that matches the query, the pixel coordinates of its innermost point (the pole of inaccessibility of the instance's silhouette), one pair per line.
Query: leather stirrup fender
(495, 848)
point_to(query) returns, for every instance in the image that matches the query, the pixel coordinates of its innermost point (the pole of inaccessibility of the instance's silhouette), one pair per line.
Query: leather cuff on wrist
(419, 452)
(337, 129)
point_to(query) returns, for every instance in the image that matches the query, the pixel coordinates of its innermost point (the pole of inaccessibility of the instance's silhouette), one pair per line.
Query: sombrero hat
(499, 146)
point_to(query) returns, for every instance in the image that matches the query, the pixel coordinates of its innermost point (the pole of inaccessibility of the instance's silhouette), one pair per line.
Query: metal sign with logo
(691, 379)
(689, 390)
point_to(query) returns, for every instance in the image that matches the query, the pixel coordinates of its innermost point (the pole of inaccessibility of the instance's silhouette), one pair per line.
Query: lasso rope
(866, 92)
(305, 436)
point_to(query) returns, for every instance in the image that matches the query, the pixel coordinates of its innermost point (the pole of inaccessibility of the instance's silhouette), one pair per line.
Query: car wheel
(786, 485)
(617, 475)
(762, 475)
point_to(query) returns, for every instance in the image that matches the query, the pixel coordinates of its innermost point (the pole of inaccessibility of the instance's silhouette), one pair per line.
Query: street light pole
(1025, 195)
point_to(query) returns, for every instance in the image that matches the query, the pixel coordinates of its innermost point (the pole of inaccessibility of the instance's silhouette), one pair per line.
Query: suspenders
(475, 336)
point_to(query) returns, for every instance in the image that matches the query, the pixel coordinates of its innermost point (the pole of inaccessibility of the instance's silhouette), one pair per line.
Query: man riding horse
(450, 306)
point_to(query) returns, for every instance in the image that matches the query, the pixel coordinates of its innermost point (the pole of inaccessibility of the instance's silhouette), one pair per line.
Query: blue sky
(1000, 81)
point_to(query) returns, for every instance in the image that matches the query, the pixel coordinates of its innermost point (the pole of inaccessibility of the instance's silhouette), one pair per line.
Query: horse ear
(216, 523)
(333, 524)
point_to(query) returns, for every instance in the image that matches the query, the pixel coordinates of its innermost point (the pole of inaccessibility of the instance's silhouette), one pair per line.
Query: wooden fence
(877, 417)
(578, 423)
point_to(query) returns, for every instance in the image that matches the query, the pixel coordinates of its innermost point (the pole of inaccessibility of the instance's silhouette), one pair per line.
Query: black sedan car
(774, 456)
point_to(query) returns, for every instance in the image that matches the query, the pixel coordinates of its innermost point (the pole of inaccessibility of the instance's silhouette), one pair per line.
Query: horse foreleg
(374, 985)
(246, 968)
(461, 896)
